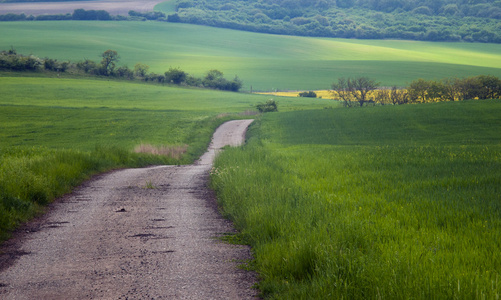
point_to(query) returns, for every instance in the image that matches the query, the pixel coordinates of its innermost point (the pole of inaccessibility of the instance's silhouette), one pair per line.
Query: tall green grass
(385, 202)
(265, 62)
(31, 177)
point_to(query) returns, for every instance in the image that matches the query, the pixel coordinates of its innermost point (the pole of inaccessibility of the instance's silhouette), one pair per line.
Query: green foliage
(310, 94)
(215, 80)
(363, 90)
(450, 20)
(82, 14)
(108, 63)
(176, 76)
(10, 60)
(355, 89)
(152, 15)
(476, 87)
(269, 106)
(392, 202)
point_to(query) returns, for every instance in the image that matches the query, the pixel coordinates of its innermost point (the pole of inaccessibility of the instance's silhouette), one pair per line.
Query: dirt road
(132, 234)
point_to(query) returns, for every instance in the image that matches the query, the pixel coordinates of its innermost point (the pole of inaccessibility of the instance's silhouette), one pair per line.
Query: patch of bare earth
(114, 7)
(147, 233)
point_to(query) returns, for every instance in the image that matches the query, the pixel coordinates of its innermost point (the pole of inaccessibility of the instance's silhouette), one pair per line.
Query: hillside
(444, 20)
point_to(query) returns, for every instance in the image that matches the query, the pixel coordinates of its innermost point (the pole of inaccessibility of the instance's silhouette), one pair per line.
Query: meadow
(57, 132)
(378, 202)
(392, 202)
(264, 62)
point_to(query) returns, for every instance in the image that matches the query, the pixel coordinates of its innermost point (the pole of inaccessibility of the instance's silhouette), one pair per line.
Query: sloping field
(265, 62)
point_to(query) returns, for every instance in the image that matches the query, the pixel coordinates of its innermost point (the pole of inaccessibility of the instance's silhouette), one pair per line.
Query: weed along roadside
(133, 233)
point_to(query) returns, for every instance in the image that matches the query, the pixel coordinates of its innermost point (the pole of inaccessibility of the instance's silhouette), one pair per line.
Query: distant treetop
(431, 20)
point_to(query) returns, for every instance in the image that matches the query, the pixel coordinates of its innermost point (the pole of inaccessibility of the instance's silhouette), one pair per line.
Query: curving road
(132, 234)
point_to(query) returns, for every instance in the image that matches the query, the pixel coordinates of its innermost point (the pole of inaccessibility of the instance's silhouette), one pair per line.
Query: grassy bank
(382, 202)
(32, 177)
(265, 62)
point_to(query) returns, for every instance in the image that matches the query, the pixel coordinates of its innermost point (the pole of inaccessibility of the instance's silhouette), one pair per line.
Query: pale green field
(265, 62)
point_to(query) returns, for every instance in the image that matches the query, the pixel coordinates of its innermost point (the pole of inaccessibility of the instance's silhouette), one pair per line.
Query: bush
(176, 76)
(269, 106)
(310, 94)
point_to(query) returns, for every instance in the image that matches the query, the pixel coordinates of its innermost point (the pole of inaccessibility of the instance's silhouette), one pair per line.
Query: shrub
(310, 94)
(269, 106)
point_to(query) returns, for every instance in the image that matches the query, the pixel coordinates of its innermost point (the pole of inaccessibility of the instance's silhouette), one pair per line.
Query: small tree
(87, 65)
(360, 88)
(235, 85)
(382, 96)
(355, 89)
(340, 89)
(140, 70)
(418, 90)
(398, 96)
(269, 106)
(310, 94)
(108, 63)
(124, 72)
(176, 76)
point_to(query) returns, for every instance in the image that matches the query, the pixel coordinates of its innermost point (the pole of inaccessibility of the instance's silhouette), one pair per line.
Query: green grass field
(265, 62)
(64, 113)
(393, 202)
(378, 202)
(56, 132)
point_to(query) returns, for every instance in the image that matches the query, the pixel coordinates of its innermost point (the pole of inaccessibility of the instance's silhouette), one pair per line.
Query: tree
(310, 94)
(355, 89)
(360, 88)
(175, 75)
(491, 87)
(418, 90)
(269, 106)
(87, 65)
(382, 96)
(341, 90)
(110, 57)
(124, 72)
(398, 96)
(235, 85)
(140, 70)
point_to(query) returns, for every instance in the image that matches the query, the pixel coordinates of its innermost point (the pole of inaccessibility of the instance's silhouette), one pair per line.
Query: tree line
(362, 91)
(431, 20)
(213, 79)
(87, 15)
(427, 20)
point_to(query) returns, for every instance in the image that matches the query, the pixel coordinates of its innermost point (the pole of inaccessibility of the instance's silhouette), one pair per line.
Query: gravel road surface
(146, 233)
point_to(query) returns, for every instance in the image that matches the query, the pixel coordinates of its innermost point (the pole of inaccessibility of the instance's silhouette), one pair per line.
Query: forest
(429, 20)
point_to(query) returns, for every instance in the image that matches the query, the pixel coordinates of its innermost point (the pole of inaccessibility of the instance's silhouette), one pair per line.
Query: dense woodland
(431, 20)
